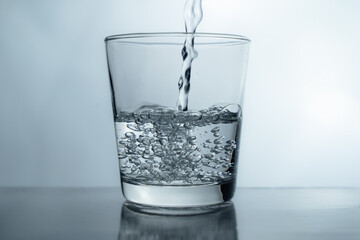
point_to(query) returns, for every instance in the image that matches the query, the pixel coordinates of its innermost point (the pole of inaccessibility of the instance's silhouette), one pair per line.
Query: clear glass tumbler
(171, 158)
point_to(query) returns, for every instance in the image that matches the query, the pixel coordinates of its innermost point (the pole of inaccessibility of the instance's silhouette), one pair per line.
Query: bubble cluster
(158, 145)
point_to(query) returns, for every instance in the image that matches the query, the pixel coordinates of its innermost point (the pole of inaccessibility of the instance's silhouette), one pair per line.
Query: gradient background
(302, 104)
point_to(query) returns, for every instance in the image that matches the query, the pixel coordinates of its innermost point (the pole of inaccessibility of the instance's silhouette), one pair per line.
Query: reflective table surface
(100, 213)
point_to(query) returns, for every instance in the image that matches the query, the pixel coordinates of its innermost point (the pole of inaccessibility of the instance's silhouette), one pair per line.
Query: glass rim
(221, 36)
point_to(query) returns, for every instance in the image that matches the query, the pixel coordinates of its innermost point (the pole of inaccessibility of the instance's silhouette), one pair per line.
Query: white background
(302, 104)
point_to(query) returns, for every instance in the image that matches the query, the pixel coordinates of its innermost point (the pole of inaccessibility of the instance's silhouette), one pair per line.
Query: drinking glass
(171, 158)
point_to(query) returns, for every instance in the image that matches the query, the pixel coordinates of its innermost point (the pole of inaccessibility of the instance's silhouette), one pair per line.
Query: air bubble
(146, 141)
(133, 126)
(191, 138)
(163, 141)
(209, 155)
(192, 142)
(232, 108)
(181, 117)
(155, 116)
(216, 150)
(144, 116)
(214, 117)
(187, 125)
(130, 135)
(215, 129)
(167, 116)
(194, 116)
(179, 139)
(219, 140)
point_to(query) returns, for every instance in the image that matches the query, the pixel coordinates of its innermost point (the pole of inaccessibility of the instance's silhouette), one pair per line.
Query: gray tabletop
(99, 213)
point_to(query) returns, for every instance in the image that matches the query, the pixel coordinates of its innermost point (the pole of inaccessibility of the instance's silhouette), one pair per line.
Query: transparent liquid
(192, 17)
(161, 146)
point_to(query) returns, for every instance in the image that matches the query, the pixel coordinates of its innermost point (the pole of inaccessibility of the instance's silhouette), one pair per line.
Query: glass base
(177, 197)
(179, 211)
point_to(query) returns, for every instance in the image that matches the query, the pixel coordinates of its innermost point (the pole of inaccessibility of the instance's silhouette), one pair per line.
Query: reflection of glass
(219, 224)
(171, 158)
